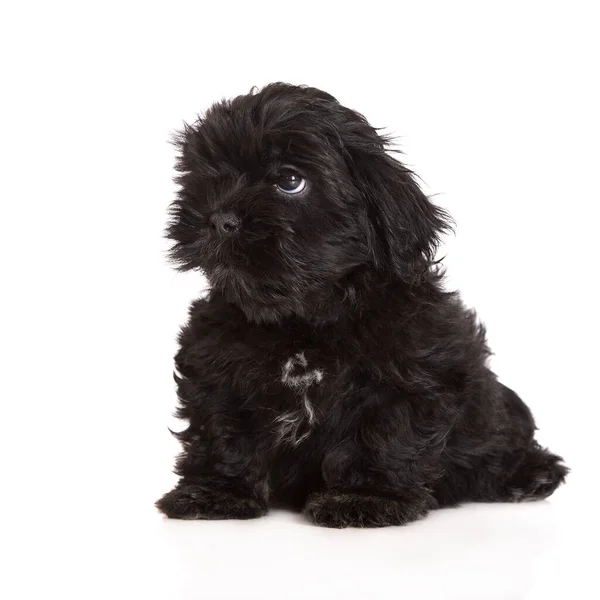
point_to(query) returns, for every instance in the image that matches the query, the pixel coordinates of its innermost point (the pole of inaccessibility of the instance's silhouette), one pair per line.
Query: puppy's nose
(224, 223)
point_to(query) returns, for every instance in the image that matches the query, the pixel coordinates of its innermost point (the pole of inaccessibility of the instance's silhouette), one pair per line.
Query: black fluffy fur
(328, 369)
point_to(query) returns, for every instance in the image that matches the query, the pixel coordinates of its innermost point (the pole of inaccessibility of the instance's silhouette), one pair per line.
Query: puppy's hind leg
(531, 472)
(536, 477)
(505, 465)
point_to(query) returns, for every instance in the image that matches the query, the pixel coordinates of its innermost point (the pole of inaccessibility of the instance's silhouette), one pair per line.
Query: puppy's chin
(270, 284)
(272, 300)
(261, 300)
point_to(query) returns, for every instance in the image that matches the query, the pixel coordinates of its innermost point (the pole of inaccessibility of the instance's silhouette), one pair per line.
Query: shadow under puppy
(328, 369)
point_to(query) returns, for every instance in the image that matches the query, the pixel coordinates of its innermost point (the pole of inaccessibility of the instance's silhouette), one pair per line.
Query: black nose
(224, 223)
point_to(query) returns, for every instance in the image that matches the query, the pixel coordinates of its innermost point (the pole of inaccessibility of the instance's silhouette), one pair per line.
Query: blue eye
(290, 182)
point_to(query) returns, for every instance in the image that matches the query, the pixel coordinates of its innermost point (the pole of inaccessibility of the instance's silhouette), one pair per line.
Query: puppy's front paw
(194, 501)
(335, 509)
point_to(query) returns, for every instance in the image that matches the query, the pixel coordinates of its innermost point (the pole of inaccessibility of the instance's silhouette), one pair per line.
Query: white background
(496, 106)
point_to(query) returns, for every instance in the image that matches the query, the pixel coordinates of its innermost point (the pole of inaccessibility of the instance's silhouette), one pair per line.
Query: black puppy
(328, 369)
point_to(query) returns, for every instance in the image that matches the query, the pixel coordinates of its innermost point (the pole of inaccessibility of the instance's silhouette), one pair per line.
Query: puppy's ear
(406, 226)
(190, 144)
(185, 218)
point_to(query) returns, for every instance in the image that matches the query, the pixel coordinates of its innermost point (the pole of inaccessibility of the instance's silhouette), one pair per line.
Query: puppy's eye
(290, 182)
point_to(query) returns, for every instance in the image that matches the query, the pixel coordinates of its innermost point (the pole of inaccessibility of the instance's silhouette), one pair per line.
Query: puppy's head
(284, 193)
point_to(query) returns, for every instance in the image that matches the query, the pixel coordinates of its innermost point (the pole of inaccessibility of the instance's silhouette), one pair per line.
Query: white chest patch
(295, 426)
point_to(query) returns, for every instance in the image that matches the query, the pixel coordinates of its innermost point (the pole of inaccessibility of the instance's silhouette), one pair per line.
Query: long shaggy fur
(328, 369)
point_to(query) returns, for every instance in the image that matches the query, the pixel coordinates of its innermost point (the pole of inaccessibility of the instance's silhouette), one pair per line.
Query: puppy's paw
(336, 509)
(537, 477)
(193, 501)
